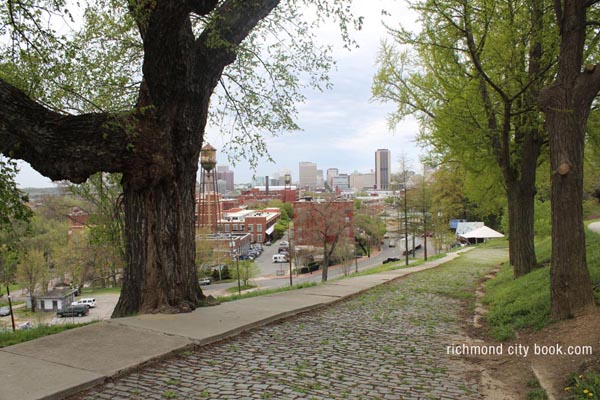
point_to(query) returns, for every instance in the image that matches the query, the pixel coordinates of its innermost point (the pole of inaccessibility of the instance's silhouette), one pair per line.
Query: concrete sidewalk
(55, 366)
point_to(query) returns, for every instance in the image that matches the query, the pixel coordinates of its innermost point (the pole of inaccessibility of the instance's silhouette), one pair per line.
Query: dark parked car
(390, 259)
(78, 310)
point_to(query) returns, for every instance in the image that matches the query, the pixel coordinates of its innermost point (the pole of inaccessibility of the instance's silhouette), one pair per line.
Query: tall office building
(362, 181)
(320, 180)
(331, 172)
(341, 182)
(383, 169)
(307, 175)
(225, 174)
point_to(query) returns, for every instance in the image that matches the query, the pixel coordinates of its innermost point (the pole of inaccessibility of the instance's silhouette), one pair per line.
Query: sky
(342, 127)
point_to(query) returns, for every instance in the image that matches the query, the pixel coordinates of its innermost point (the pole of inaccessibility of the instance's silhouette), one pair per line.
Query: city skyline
(342, 127)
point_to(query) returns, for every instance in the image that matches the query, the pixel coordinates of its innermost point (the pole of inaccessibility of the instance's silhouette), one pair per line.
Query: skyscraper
(307, 175)
(225, 174)
(331, 172)
(383, 169)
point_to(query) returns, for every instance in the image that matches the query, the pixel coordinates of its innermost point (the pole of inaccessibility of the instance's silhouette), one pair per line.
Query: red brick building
(262, 194)
(209, 210)
(258, 223)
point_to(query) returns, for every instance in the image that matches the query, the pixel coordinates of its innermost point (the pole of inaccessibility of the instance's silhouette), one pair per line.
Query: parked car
(204, 281)
(254, 253)
(90, 302)
(268, 243)
(284, 243)
(280, 258)
(4, 311)
(78, 310)
(390, 259)
(283, 249)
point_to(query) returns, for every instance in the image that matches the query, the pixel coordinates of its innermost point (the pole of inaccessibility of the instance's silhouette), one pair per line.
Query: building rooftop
(238, 214)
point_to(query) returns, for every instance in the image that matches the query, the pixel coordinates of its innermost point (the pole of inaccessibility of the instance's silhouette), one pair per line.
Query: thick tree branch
(475, 51)
(56, 145)
(558, 11)
(168, 37)
(587, 85)
(202, 7)
(228, 27)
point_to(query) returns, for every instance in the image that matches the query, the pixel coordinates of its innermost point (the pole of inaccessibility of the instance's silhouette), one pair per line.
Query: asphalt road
(270, 279)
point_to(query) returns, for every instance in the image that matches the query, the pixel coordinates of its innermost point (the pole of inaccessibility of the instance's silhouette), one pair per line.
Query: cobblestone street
(388, 343)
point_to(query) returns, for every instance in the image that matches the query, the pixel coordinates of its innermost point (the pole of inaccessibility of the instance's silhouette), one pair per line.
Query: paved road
(269, 279)
(388, 343)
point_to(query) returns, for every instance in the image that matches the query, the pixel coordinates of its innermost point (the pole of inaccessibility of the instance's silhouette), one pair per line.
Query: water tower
(209, 206)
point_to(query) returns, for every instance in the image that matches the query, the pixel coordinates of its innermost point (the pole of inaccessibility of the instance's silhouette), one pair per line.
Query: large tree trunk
(567, 105)
(160, 275)
(521, 247)
(570, 283)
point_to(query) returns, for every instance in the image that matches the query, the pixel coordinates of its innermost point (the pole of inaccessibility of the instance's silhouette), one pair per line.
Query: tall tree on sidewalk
(168, 57)
(567, 103)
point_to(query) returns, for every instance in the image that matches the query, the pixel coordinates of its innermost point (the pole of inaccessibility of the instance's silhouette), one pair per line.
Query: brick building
(209, 210)
(264, 194)
(258, 223)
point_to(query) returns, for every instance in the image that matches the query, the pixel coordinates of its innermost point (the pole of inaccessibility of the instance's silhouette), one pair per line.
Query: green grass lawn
(520, 303)
(4, 299)
(263, 292)
(234, 289)
(87, 292)
(9, 338)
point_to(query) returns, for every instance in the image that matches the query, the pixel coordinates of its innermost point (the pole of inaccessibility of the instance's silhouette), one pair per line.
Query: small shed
(54, 300)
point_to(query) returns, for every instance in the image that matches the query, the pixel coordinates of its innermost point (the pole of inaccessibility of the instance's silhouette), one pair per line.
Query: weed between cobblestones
(388, 343)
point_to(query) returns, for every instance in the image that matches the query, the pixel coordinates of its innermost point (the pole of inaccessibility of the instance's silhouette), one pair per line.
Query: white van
(280, 258)
(91, 303)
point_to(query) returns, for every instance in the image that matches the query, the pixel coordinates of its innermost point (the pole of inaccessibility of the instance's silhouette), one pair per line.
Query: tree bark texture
(160, 228)
(567, 105)
(156, 146)
(520, 217)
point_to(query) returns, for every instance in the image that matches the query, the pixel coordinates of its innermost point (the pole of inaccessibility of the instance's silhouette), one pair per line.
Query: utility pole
(290, 247)
(424, 216)
(12, 315)
(405, 215)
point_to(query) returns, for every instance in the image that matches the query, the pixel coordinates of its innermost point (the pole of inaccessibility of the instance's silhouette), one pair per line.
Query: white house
(54, 300)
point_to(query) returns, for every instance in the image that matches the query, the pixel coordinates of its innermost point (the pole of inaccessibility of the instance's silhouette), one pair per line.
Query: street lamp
(237, 264)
